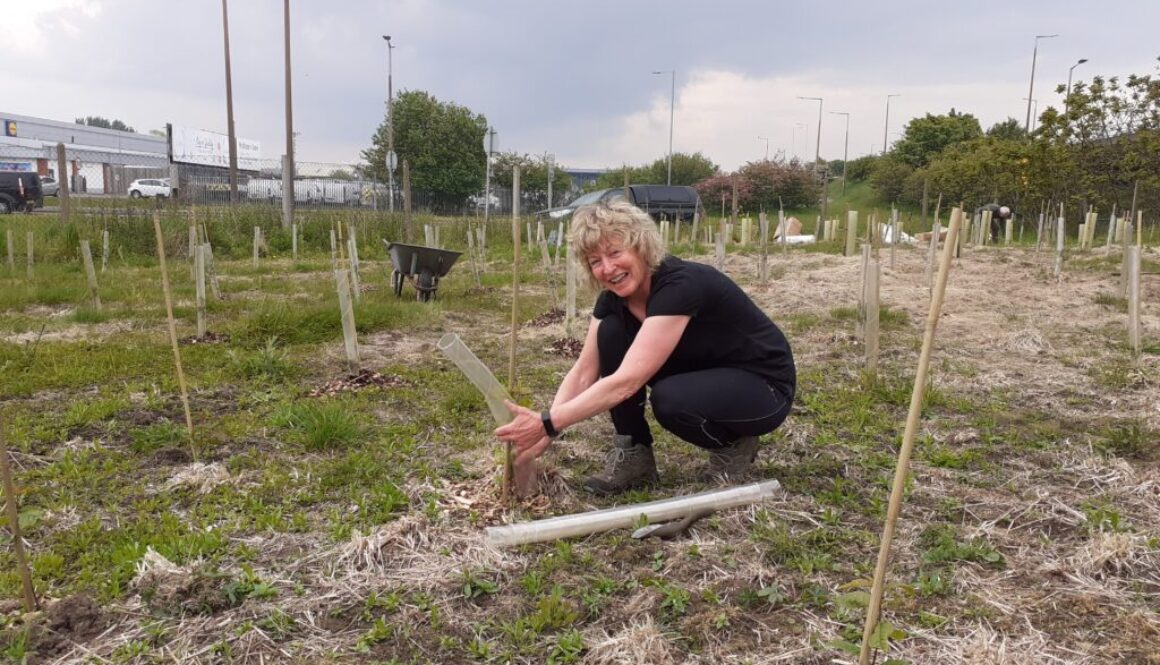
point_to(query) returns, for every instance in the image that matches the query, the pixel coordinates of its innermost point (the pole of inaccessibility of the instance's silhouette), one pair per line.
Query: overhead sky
(570, 78)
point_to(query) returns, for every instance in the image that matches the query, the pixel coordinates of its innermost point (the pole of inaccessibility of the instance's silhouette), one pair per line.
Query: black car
(20, 190)
(659, 201)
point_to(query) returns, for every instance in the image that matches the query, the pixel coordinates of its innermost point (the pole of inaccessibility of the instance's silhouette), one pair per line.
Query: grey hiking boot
(627, 465)
(731, 463)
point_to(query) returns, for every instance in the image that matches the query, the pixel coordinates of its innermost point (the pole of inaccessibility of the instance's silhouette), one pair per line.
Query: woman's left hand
(525, 429)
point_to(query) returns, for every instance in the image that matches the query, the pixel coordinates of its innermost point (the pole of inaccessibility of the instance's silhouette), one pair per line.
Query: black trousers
(710, 408)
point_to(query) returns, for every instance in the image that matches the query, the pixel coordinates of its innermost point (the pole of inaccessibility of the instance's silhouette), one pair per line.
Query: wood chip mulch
(362, 380)
(209, 338)
(566, 346)
(554, 315)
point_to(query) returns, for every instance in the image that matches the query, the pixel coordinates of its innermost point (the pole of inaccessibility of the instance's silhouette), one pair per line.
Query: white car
(49, 186)
(151, 187)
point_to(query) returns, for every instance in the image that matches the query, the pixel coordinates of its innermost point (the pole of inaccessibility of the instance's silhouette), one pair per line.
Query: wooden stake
(13, 512)
(548, 270)
(570, 295)
(199, 286)
(763, 221)
(91, 273)
(873, 274)
(104, 250)
(851, 232)
(902, 467)
(1133, 261)
(474, 257)
(257, 242)
(346, 312)
(333, 250)
(355, 285)
(173, 333)
(29, 239)
(860, 324)
(1039, 233)
(408, 226)
(895, 234)
(214, 286)
(695, 238)
(191, 250)
(784, 226)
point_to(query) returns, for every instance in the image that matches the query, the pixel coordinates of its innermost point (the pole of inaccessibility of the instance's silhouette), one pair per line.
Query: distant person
(718, 372)
(999, 216)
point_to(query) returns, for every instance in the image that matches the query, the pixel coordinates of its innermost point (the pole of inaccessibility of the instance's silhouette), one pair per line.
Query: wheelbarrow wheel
(426, 286)
(397, 283)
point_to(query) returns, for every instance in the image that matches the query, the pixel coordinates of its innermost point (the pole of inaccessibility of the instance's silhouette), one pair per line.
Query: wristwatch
(546, 418)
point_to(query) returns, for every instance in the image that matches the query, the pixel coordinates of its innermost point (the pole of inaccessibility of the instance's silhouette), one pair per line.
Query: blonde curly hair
(614, 220)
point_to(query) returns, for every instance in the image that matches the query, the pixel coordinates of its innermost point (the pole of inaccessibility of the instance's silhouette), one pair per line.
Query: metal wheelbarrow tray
(422, 266)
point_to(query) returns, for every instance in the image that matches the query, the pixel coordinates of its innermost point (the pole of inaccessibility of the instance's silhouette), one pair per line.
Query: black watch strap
(546, 418)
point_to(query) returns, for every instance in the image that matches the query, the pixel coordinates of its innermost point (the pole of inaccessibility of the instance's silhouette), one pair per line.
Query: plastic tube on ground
(479, 375)
(662, 510)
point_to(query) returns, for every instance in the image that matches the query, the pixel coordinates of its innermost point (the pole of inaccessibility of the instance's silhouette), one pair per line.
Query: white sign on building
(197, 146)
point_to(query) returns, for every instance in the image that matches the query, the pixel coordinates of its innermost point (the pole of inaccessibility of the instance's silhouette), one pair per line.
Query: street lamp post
(1031, 87)
(818, 148)
(762, 138)
(806, 127)
(672, 106)
(1035, 113)
(845, 150)
(390, 126)
(1068, 93)
(886, 124)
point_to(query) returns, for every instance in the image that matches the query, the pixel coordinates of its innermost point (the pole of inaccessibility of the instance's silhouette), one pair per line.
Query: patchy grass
(346, 527)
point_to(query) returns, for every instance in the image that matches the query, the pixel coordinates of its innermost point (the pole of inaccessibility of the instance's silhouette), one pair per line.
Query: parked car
(659, 201)
(151, 187)
(20, 190)
(49, 185)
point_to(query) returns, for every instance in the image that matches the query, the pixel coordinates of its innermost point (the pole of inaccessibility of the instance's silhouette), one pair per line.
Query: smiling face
(618, 268)
(618, 246)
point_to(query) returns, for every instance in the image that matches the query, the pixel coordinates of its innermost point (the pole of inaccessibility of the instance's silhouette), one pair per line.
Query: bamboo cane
(173, 333)
(508, 471)
(901, 469)
(13, 512)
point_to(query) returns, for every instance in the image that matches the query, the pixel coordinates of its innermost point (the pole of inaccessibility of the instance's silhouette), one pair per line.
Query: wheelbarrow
(421, 266)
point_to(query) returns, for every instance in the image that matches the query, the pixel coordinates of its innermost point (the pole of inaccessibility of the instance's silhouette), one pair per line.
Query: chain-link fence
(100, 172)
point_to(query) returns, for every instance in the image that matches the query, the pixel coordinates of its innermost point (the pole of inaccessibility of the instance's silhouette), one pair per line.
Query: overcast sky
(570, 78)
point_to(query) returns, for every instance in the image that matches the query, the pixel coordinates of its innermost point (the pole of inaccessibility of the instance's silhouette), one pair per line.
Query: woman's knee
(669, 403)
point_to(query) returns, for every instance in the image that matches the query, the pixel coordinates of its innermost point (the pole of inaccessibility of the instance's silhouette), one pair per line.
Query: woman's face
(618, 267)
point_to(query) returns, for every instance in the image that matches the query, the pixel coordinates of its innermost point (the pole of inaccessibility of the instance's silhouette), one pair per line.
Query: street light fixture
(818, 149)
(1068, 93)
(886, 124)
(762, 138)
(672, 106)
(1031, 87)
(846, 150)
(391, 159)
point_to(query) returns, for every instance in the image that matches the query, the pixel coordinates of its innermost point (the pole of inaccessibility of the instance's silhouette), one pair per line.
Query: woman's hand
(525, 430)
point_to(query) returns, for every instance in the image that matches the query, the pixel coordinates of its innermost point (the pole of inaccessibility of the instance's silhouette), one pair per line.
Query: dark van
(20, 190)
(659, 201)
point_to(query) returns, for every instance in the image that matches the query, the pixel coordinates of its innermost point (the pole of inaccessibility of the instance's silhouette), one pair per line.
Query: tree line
(1101, 149)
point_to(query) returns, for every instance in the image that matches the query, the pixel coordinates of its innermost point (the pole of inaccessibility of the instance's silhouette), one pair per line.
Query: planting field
(329, 513)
